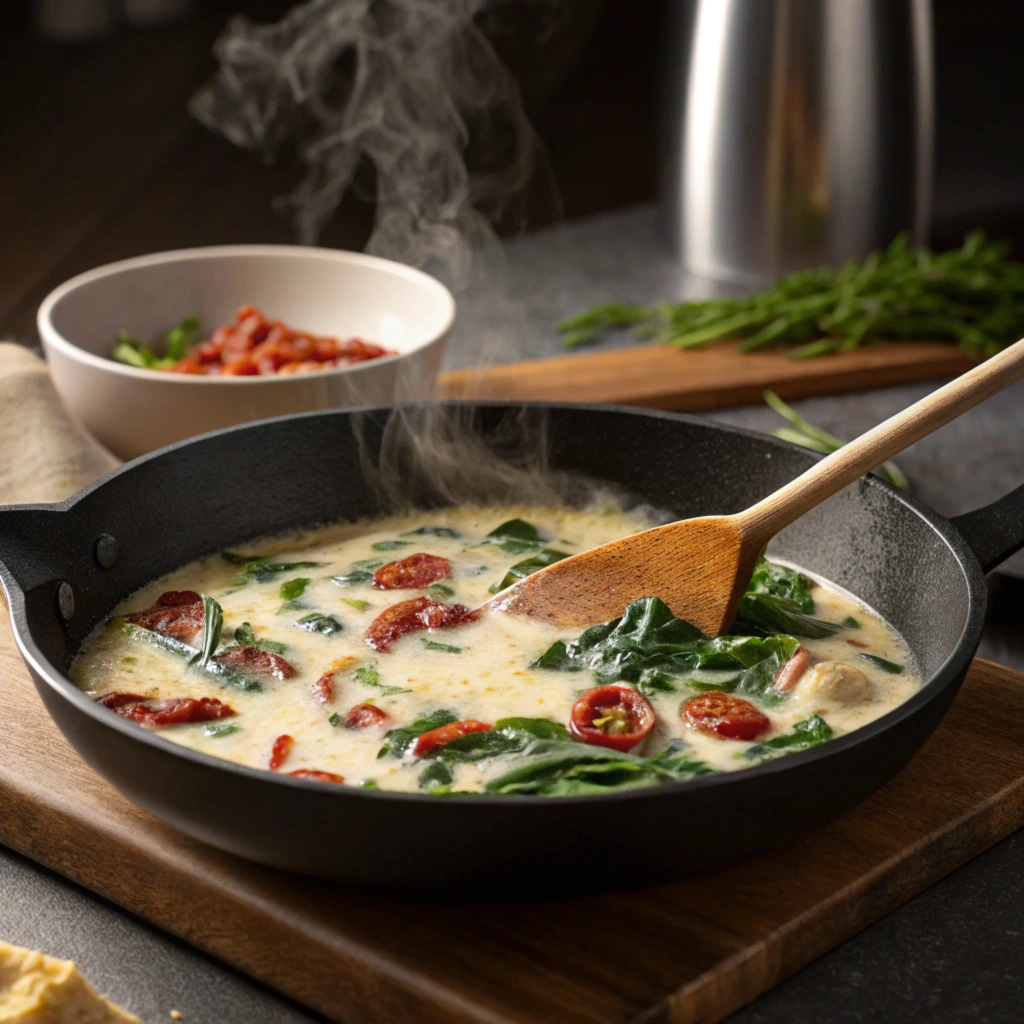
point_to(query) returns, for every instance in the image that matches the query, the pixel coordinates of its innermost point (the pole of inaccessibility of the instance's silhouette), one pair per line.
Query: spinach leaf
(649, 642)
(808, 733)
(369, 676)
(352, 578)
(213, 620)
(434, 645)
(886, 666)
(440, 591)
(781, 581)
(217, 729)
(433, 531)
(436, 778)
(850, 622)
(355, 602)
(368, 563)
(245, 637)
(766, 613)
(541, 560)
(676, 758)
(390, 545)
(398, 741)
(220, 672)
(557, 768)
(319, 622)
(296, 604)
(261, 568)
(294, 588)
(514, 537)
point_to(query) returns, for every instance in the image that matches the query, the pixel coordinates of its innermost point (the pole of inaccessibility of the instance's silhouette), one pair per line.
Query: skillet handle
(995, 531)
(30, 549)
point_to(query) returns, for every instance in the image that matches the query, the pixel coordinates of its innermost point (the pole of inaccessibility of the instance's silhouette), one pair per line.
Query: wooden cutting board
(662, 377)
(688, 952)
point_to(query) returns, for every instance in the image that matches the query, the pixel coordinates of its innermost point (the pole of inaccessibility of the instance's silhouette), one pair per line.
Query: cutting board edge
(712, 996)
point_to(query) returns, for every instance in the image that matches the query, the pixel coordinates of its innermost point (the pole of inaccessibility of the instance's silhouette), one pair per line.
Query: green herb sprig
(807, 435)
(972, 296)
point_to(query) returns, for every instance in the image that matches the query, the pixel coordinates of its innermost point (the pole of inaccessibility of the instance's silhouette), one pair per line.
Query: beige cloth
(44, 455)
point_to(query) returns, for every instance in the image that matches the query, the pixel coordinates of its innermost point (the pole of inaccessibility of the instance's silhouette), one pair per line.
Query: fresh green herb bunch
(972, 296)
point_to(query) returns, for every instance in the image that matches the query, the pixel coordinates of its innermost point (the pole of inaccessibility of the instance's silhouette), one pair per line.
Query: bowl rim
(52, 338)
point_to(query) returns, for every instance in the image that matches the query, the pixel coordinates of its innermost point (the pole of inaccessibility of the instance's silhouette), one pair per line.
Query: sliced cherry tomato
(419, 570)
(153, 714)
(317, 776)
(364, 715)
(727, 717)
(280, 751)
(789, 675)
(613, 716)
(252, 659)
(323, 689)
(412, 615)
(446, 733)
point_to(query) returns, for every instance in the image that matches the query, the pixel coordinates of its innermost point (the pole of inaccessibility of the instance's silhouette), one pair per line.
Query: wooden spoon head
(698, 567)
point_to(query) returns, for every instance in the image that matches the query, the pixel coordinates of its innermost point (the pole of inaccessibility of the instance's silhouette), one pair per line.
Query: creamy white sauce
(490, 679)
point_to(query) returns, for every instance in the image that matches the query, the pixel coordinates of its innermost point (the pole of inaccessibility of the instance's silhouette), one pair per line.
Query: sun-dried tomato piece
(177, 613)
(419, 570)
(323, 689)
(789, 675)
(446, 733)
(280, 751)
(317, 776)
(177, 598)
(412, 615)
(364, 715)
(153, 714)
(120, 699)
(727, 717)
(252, 659)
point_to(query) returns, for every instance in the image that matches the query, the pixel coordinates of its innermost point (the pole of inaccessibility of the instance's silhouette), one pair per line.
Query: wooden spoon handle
(765, 519)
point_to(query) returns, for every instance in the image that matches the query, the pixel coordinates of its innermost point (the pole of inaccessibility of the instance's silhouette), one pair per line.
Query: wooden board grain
(662, 377)
(689, 952)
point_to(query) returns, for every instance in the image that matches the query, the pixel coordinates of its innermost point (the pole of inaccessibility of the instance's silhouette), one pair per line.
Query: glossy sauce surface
(478, 670)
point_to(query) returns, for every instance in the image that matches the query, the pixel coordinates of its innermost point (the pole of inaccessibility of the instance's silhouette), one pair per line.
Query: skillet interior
(279, 475)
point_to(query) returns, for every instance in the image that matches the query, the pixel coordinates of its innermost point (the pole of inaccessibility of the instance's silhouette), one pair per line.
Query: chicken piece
(835, 681)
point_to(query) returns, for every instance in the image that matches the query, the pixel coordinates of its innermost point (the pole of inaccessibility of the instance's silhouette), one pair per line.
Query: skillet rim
(946, 674)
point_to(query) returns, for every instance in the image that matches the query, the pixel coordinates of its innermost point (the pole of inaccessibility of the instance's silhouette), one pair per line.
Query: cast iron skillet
(923, 573)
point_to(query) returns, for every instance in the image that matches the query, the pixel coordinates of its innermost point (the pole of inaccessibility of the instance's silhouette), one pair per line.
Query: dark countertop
(953, 953)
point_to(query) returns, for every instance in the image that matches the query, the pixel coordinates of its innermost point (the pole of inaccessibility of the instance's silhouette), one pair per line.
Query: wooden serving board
(688, 952)
(662, 377)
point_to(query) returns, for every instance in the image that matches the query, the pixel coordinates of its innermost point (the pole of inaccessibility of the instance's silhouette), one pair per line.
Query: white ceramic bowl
(326, 291)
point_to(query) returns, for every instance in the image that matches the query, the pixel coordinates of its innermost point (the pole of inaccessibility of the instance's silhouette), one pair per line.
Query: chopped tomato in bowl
(252, 345)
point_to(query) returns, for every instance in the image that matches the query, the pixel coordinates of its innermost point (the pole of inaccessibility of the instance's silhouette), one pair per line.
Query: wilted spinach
(261, 568)
(808, 733)
(885, 665)
(397, 742)
(648, 643)
(245, 637)
(557, 768)
(519, 571)
(369, 676)
(433, 531)
(320, 622)
(514, 537)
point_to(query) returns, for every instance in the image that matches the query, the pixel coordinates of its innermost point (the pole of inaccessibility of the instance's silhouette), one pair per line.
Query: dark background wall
(102, 161)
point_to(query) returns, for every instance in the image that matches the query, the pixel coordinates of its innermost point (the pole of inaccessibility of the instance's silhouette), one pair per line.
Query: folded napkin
(44, 454)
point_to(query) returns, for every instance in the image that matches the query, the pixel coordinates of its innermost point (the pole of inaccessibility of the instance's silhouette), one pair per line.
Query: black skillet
(64, 567)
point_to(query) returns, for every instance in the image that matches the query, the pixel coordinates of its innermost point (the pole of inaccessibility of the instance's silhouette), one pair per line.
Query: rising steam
(408, 87)
(403, 85)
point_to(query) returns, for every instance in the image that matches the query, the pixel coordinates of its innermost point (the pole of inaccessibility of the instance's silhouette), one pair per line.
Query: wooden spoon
(701, 567)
